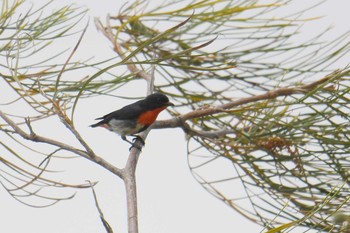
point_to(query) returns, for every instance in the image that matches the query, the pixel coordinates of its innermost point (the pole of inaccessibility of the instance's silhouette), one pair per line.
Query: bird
(134, 118)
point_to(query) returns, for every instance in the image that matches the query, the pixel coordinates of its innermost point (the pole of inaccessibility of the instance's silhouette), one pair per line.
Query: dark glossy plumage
(134, 110)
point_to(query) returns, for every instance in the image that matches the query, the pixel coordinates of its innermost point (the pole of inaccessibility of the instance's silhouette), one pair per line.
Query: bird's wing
(131, 111)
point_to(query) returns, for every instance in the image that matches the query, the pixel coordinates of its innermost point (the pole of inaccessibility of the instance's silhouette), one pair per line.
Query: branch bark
(128, 173)
(32, 136)
(180, 121)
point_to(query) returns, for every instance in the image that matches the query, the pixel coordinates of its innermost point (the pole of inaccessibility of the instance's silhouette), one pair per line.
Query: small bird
(134, 118)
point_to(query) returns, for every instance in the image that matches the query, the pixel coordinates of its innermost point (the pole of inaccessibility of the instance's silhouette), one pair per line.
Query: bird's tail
(98, 123)
(94, 125)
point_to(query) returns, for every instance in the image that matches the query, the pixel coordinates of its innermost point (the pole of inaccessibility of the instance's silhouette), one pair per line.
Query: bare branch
(104, 221)
(69, 124)
(107, 32)
(37, 138)
(273, 94)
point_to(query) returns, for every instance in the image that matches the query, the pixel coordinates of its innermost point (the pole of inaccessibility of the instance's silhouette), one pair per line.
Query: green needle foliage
(286, 156)
(278, 159)
(290, 156)
(27, 68)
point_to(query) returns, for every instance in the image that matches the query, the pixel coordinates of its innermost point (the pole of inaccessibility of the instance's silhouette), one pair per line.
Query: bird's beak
(170, 104)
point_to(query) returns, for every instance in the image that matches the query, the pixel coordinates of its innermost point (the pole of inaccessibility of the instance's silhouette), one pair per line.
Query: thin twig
(47, 158)
(69, 124)
(37, 138)
(107, 32)
(104, 221)
(284, 91)
(67, 61)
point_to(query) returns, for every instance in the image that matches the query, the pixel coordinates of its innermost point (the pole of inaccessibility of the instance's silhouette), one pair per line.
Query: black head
(157, 100)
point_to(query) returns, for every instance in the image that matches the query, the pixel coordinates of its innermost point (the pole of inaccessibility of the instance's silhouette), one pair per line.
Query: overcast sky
(170, 200)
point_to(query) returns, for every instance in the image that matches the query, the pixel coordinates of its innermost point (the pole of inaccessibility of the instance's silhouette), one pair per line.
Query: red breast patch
(147, 118)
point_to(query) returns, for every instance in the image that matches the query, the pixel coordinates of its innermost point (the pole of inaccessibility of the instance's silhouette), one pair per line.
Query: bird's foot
(137, 142)
(138, 138)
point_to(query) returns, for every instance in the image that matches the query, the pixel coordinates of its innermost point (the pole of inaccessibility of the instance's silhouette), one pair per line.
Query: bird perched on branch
(134, 118)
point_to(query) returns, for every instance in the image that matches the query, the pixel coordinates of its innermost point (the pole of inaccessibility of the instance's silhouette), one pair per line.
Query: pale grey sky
(170, 200)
